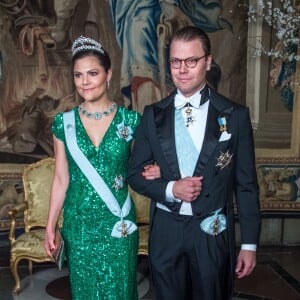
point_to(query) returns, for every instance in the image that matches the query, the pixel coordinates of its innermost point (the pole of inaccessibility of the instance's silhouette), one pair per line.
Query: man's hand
(188, 188)
(246, 262)
(151, 172)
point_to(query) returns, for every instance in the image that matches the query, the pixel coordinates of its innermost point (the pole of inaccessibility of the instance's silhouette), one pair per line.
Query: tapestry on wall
(36, 77)
(279, 187)
(11, 193)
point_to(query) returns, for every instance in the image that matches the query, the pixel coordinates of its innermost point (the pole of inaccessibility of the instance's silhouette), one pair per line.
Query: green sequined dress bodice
(101, 266)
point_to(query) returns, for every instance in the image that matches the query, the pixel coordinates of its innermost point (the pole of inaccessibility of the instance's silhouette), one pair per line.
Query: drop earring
(107, 84)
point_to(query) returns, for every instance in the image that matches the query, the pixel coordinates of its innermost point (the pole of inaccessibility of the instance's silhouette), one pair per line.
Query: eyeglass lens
(189, 62)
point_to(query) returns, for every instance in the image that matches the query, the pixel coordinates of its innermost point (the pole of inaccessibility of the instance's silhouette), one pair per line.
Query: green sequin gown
(100, 266)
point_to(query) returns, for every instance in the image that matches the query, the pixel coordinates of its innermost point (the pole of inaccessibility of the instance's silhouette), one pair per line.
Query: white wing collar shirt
(196, 131)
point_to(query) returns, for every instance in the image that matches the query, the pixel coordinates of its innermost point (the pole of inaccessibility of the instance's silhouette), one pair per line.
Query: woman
(99, 219)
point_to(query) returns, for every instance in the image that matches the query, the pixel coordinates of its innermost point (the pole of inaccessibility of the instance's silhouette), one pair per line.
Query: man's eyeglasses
(190, 62)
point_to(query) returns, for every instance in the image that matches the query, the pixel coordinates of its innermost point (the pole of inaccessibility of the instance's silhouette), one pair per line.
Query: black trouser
(186, 263)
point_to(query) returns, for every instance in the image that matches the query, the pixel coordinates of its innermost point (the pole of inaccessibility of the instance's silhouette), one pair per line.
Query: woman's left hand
(151, 172)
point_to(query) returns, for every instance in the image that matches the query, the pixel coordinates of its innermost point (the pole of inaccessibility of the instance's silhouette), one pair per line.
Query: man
(205, 152)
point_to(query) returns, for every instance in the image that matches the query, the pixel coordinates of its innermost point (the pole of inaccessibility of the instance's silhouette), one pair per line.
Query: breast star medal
(224, 159)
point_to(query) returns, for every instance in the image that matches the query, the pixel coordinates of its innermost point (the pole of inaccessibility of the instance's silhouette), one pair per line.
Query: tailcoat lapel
(216, 109)
(164, 120)
(211, 138)
(164, 114)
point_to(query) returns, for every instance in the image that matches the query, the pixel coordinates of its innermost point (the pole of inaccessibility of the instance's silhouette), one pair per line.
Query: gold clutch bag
(59, 253)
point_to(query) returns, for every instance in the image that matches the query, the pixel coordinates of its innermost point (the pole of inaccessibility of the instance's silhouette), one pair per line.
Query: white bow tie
(181, 101)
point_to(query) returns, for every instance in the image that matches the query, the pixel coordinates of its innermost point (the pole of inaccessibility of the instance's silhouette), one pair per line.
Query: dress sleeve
(58, 127)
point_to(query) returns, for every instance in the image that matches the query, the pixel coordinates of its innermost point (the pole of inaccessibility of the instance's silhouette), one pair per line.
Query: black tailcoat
(155, 142)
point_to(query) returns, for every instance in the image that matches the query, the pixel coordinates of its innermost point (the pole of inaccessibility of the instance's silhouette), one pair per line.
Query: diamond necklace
(97, 115)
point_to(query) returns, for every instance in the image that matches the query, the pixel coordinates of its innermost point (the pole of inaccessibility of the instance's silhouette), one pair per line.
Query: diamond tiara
(86, 44)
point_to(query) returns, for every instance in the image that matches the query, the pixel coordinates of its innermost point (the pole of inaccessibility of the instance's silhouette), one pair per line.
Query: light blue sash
(187, 158)
(123, 227)
(187, 155)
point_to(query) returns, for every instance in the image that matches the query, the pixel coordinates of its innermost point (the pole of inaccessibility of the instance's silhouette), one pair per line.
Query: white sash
(123, 227)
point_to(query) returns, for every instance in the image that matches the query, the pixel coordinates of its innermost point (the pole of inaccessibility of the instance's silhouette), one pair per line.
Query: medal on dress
(124, 230)
(124, 227)
(118, 182)
(124, 132)
(189, 119)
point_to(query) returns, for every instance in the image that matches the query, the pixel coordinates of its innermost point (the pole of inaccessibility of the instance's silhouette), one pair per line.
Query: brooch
(118, 182)
(124, 132)
(224, 159)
